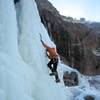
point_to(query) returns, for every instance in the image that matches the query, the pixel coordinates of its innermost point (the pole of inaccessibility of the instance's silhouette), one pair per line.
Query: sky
(88, 9)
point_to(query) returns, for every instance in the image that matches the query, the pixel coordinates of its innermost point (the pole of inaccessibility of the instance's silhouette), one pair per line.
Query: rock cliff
(76, 42)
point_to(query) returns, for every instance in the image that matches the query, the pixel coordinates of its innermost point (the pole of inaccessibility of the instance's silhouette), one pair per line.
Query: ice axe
(41, 37)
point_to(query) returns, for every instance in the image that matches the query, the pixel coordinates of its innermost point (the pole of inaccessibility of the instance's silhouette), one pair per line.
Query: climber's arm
(48, 54)
(44, 44)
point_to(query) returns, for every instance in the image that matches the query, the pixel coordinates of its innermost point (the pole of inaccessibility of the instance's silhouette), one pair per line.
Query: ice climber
(53, 63)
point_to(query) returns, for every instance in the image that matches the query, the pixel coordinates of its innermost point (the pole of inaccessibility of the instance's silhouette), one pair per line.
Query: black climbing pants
(53, 63)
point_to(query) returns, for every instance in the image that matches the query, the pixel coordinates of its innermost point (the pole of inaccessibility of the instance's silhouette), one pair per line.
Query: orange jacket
(52, 51)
